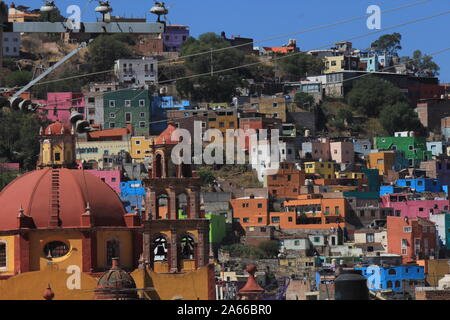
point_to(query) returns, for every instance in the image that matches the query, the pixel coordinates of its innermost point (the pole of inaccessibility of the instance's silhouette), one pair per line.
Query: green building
(128, 107)
(414, 148)
(217, 226)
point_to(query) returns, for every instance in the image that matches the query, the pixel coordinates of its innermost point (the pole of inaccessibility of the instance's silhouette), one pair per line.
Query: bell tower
(176, 235)
(57, 147)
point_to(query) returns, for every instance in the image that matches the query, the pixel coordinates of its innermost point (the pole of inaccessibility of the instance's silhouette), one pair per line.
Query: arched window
(389, 284)
(2, 255)
(162, 209)
(392, 272)
(397, 284)
(158, 166)
(56, 249)
(187, 248)
(182, 205)
(112, 251)
(160, 249)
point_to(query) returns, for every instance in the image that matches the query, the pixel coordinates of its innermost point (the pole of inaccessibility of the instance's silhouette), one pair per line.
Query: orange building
(250, 211)
(383, 161)
(311, 211)
(412, 238)
(287, 182)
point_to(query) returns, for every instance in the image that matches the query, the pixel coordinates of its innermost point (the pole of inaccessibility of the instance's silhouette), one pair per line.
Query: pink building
(342, 152)
(406, 206)
(110, 177)
(58, 104)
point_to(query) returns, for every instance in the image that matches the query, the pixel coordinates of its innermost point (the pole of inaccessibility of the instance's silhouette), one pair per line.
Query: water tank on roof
(351, 285)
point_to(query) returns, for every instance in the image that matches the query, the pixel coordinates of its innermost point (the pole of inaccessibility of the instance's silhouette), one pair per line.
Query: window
(128, 117)
(112, 103)
(260, 220)
(397, 284)
(112, 125)
(112, 251)
(392, 272)
(2, 255)
(56, 249)
(127, 103)
(336, 210)
(142, 103)
(407, 229)
(112, 115)
(260, 205)
(316, 239)
(57, 156)
(296, 242)
(289, 219)
(389, 284)
(246, 220)
(275, 219)
(142, 124)
(370, 237)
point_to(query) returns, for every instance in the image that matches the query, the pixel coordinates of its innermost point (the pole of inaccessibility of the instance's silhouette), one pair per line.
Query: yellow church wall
(125, 239)
(9, 240)
(31, 285)
(58, 149)
(38, 240)
(193, 285)
(46, 158)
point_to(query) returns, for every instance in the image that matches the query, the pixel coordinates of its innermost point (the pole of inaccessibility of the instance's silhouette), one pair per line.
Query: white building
(11, 44)
(94, 102)
(137, 71)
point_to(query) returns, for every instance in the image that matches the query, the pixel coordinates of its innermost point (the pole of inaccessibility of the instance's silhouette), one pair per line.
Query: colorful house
(392, 278)
(325, 169)
(412, 238)
(386, 160)
(415, 148)
(406, 205)
(132, 195)
(58, 105)
(111, 177)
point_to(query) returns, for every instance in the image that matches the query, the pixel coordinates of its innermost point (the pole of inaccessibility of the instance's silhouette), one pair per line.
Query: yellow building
(140, 148)
(57, 147)
(340, 63)
(326, 169)
(94, 151)
(349, 175)
(223, 120)
(383, 161)
(272, 107)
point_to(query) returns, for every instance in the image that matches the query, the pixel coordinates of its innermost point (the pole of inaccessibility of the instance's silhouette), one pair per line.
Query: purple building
(174, 37)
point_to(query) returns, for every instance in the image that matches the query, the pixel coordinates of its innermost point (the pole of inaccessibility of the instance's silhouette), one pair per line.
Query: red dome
(74, 189)
(56, 128)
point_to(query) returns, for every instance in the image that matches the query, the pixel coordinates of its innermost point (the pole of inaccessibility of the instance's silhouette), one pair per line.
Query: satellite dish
(105, 9)
(160, 10)
(48, 7)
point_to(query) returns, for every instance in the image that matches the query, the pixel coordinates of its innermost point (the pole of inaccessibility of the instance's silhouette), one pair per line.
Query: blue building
(362, 146)
(436, 147)
(418, 184)
(174, 104)
(132, 194)
(391, 278)
(158, 116)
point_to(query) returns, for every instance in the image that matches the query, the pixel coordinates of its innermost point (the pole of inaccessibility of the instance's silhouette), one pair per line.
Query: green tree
(399, 117)
(421, 63)
(18, 78)
(299, 65)
(304, 101)
(220, 86)
(104, 51)
(370, 94)
(18, 137)
(206, 176)
(53, 16)
(270, 248)
(389, 43)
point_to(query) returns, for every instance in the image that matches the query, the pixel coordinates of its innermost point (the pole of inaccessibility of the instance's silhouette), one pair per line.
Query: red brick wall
(433, 295)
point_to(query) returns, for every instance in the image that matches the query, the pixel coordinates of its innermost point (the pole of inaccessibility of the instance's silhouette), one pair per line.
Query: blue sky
(262, 19)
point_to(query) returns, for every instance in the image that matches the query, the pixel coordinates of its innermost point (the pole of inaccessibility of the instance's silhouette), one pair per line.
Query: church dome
(67, 194)
(56, 128)
(115, 284)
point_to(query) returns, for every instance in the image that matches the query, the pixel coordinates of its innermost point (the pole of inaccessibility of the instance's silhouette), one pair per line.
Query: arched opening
(160, 249)
(186, 170)
(56, 249)
(171, 170)
(389, 284)
(112, 251)
(187, 248)
(182, 206)
(158, 166)
(397, 284)
(392, 272)
(162, 207)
